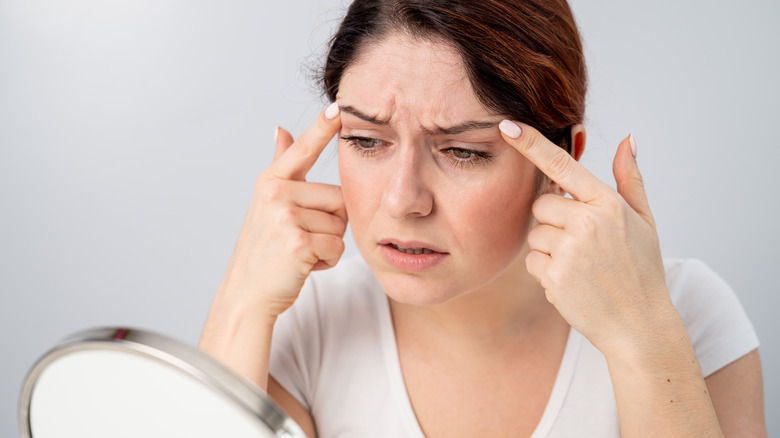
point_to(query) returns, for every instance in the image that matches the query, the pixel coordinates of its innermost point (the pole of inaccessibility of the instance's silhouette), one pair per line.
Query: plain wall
(131, 133)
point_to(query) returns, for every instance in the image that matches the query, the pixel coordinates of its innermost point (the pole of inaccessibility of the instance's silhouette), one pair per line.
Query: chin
(416, 290)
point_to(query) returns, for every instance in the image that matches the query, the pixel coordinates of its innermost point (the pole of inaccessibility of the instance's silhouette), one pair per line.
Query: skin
(411, 186)
(501, 301)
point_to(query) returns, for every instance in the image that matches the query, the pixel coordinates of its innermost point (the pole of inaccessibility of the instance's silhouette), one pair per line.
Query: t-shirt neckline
(401, 396)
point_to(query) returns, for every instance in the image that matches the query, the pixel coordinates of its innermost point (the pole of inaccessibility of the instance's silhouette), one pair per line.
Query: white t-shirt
(334, 350)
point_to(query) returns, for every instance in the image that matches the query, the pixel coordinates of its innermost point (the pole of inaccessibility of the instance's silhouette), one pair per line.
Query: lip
(411, 244)
(410, 262)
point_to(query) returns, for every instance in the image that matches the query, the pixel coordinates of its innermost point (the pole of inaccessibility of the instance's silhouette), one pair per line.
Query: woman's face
(438, 203)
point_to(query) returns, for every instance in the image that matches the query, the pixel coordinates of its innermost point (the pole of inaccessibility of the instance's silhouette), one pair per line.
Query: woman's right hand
(292, 226)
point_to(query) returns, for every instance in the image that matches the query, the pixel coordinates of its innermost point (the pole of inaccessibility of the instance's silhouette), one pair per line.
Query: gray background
(131, 133)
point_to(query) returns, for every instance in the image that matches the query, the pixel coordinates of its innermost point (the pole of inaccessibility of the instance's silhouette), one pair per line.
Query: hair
(523, 57)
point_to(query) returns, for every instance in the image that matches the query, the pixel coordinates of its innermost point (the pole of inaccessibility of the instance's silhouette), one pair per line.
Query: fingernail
(276, 135)
(510, 128)
(332, 111)
(632, 142)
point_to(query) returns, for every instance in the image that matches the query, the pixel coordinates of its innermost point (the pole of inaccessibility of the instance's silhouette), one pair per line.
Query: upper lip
(409, 244)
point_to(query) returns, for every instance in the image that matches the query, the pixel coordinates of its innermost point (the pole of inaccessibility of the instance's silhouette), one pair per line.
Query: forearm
(239, 339)
(659, 387)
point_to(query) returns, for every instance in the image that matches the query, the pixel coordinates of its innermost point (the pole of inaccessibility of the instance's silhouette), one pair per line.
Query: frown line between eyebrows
(460, 128)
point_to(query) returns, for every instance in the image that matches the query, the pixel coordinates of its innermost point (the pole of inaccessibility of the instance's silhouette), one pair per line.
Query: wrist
(661, 347)
(659, 385)
(644, 330)
(239, 337)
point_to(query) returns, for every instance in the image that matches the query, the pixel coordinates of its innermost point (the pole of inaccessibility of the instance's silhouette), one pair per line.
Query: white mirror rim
(145, 349)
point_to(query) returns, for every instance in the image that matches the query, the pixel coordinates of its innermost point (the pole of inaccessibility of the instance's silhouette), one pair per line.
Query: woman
(486, 302)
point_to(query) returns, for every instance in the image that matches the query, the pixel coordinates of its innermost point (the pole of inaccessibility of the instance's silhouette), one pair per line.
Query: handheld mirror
(116, 382)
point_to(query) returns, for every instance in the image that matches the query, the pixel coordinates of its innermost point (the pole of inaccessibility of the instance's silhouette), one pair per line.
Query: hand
(292, 226)
(596, 255)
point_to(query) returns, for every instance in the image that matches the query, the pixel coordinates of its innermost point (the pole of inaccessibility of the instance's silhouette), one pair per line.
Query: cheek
(499, 214)
(500, 218)
(359, 189)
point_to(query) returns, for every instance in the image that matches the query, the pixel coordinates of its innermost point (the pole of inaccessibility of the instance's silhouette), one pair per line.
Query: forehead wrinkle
(430, 100)
(454, 122)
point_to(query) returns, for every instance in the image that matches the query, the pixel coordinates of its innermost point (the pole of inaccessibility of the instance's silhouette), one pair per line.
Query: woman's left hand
(596, 255)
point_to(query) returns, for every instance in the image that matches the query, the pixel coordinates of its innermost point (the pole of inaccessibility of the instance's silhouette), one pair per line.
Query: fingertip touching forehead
(523, 59)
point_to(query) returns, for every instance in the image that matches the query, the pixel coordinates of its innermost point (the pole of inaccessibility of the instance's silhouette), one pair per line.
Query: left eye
(462, 154)
(367, 143)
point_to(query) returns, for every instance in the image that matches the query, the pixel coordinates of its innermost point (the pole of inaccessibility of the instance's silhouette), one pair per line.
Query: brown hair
(523, 57)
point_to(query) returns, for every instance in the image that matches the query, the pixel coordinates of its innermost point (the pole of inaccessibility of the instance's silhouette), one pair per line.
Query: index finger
(552, 160)
(299, 158)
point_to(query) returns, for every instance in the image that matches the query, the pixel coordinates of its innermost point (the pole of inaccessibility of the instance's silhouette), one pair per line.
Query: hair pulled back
(523, 57)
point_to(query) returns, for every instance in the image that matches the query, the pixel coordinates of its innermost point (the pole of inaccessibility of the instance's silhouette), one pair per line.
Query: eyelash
(477, 157)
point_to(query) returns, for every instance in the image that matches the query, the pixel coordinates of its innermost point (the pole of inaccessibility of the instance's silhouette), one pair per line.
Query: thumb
(629, 181)
(282, 140)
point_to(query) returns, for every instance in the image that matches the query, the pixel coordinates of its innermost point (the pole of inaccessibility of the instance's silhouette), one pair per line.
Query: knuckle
(341, 226)
(534, 238)
(303, 146)
(615, 205)
(272, 192)
(560, 164)
(567, 247)
(287, 216)
(540, 204)
(263, 179)
(300, 242)
(537, 207)
(533, 139)
(555, 275)
(339, 246)
(586, 222)
(532, 264)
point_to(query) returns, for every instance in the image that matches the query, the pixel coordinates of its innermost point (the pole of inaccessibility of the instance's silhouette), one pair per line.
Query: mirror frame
(184, 358)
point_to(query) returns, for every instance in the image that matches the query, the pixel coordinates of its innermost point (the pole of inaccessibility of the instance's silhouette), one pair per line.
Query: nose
(407, 194)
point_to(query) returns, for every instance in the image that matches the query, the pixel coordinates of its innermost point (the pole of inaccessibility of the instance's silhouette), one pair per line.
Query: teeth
(416, 251)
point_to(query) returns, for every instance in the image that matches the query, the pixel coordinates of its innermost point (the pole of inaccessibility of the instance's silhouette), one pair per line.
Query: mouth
(411, 256)
(415, 251)
(412, 247)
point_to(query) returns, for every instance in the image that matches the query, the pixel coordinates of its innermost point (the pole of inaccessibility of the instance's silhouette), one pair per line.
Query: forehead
(404, 78)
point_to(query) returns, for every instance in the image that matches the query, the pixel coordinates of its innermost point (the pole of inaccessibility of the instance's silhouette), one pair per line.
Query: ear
(577, 141)
(577, 148)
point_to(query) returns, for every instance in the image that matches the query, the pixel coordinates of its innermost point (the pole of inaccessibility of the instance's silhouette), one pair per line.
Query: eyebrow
(460, 128)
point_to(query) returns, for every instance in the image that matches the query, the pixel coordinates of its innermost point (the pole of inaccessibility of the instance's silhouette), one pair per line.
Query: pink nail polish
(276, 135)
(632, 142)
(332, 111)
(510, 128)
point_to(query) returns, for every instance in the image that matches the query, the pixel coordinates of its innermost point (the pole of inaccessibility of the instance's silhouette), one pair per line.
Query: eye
(364, 145)
(367, 143)
(461, 157)
(462, 154)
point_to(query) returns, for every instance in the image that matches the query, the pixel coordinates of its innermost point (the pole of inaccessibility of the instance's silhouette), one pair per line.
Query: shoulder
(717, 324)
(697, 291)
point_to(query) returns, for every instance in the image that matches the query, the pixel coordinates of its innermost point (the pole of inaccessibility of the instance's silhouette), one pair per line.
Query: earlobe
(556, 189)
(577, 140)
(552, 188)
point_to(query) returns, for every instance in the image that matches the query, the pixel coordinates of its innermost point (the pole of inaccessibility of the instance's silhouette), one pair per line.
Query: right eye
(362, 144)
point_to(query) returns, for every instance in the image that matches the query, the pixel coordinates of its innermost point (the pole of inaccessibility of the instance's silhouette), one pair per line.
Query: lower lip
(411, 262)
